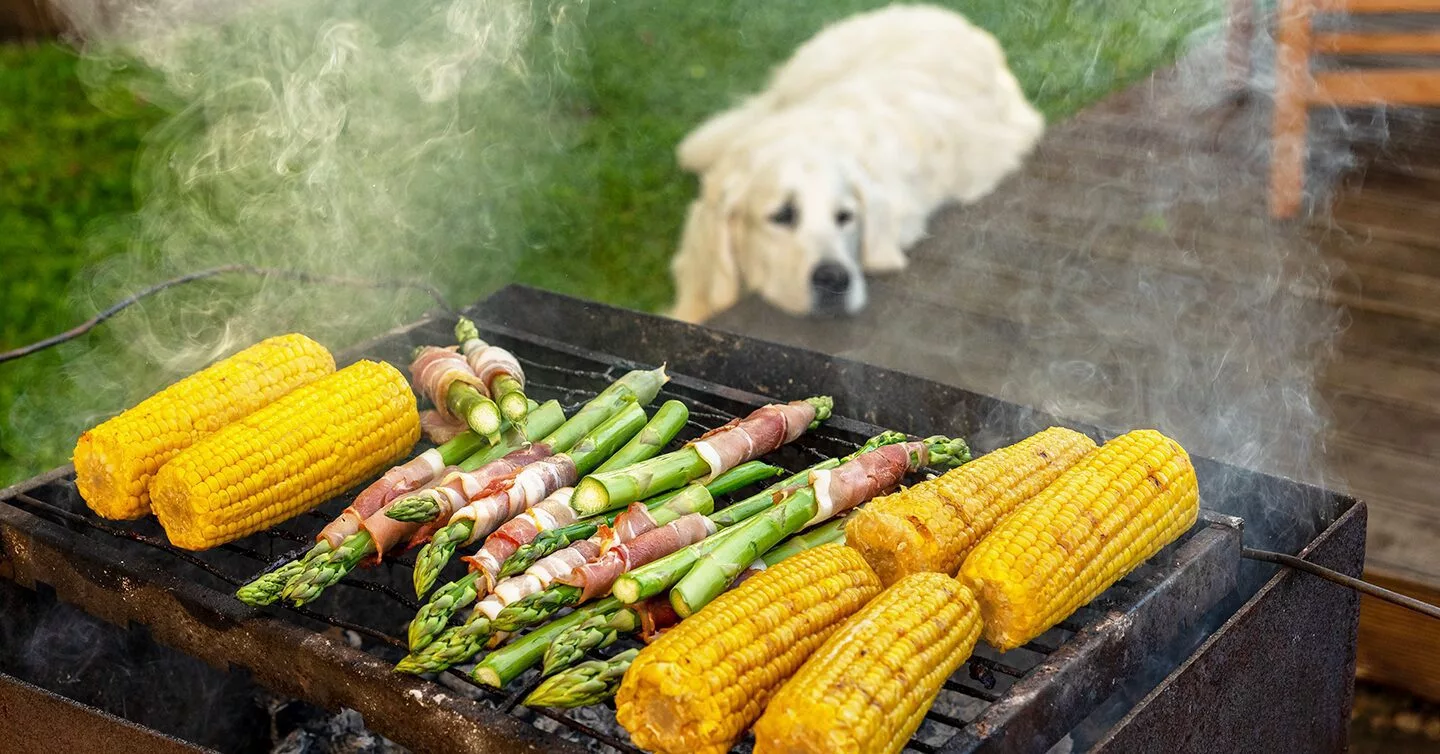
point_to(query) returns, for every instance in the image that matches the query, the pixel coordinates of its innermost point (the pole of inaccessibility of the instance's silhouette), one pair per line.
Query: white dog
(872, 125)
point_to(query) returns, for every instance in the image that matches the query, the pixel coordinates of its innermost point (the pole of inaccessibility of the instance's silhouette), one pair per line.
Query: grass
(604, 228)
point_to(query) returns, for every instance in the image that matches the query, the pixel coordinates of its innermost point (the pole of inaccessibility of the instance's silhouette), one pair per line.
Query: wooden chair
(1298, 87)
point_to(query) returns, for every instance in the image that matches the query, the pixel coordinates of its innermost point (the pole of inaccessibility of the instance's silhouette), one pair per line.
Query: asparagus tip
(824, 406)
(466, 330)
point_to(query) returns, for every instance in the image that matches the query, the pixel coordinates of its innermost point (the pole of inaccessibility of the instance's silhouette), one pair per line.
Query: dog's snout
(830, 279)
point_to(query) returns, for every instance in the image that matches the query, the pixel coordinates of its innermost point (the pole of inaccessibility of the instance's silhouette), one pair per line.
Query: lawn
(582, 195)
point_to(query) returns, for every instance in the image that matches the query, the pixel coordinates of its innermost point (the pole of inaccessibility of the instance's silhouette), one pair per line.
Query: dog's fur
(869, 127)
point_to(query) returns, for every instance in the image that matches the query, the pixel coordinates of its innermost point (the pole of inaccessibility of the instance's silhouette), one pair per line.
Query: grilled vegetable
(116, 461)
(459, 395)
(497, 368)
(932, 525)
(1094, 524)
(763, 431)
(587, 683)
(867, 688)
(288, 457)
(507, 663)
(702, 683)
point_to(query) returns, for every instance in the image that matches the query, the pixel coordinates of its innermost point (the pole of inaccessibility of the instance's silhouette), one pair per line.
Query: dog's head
(787, 223)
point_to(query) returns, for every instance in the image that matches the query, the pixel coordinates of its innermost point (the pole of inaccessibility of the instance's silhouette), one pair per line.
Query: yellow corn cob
(933, 525)
(867, 688)
(287, 457)
(115, 461)
(701, 684)
(1096, 523)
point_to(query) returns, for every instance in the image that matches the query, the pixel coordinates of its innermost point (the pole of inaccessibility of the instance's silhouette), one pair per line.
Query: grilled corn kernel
(702, 683)
(933, 525)
(867, 688)
(1096, 523)
(287, 457)
(115, 461)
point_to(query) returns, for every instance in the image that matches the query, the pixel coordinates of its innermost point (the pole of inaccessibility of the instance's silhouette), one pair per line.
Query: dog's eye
(844, 216)
(786, 215)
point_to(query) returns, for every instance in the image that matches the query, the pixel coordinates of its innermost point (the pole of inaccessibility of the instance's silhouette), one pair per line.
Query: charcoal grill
(1194, 651)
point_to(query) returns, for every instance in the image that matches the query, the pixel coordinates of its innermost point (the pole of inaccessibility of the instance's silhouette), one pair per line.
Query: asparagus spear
(324, 570)
(434, 615)
(508, 662)
(599, 444)
(669, 419)
(603, 630)
(639, 387)
(717, 569)
(587, 683)
(552, 540)
(602, 492)
(654, 578)
(265, 588)
(507, 391)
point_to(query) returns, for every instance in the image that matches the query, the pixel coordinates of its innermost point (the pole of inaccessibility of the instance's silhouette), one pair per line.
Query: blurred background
(479, 143)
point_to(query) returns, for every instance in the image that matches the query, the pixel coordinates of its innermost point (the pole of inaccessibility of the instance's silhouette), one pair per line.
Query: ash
(298, 728)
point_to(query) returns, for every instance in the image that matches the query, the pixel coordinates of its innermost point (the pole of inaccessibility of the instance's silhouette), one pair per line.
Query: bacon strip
(596, 577)
(538, 577)
(528, 487)
(438, 428)
(656, 615)
(763, 431)
(435, 369)
(449, 491)
(551, 513)
(862, 478)
(400, 480)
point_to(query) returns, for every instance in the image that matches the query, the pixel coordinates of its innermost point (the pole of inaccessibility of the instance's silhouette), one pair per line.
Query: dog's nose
(830, 279)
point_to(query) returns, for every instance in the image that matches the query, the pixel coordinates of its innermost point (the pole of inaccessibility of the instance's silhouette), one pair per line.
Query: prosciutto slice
(489, 361)
(596, 577)
(435, 369)
(636, 520)
(656, 615)
(400, 480)
(551, 513)
(439, 428)
(526, 488)
(538, 577)
(763, 431)
(864, 477)
(450, 490)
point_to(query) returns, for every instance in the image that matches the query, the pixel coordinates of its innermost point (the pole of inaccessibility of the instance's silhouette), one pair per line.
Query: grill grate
(375, 604)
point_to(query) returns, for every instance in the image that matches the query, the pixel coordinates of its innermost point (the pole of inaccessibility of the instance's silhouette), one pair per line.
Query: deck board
(1129, 274)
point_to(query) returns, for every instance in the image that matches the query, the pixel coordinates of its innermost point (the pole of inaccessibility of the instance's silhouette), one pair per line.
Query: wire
(297, 275)
(1380, 592)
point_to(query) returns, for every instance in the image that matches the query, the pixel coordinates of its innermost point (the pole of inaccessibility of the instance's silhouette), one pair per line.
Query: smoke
(377, 139)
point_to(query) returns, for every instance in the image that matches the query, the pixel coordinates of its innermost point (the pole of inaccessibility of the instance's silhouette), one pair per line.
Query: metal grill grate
(375, 604)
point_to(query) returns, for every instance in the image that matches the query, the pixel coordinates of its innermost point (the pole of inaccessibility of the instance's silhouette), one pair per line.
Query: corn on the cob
(115, 461)
(287, 457)
(700, 685)
(933, 525)
(1097, 522)
(867, 688)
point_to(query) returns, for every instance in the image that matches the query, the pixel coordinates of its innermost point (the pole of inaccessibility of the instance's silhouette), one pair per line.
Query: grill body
(1174, 653)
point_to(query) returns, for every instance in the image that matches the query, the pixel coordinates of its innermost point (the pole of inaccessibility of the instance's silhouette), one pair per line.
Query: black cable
(297, 275)
(1379, 592)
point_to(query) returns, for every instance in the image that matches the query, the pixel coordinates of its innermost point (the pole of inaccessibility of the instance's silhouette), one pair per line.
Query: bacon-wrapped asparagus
(407, 477)
(497, 368)
(829, 493)
(763, 431)
(379, 533)
(434, 615)
(638, 387)
(458, 644)
(461, 399)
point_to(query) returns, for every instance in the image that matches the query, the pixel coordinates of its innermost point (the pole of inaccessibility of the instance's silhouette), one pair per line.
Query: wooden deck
(1130, 276)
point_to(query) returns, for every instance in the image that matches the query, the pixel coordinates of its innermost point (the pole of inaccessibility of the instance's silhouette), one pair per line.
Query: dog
(834, 169)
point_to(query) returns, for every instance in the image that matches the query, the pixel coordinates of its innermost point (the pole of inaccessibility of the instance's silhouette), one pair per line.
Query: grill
(1124, 673)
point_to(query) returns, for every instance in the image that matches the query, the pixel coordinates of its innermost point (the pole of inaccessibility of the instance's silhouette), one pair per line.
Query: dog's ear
(879, 237)
(704, 146)
(707, 274)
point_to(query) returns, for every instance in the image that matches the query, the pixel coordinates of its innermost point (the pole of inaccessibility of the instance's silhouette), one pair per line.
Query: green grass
(604, 226)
